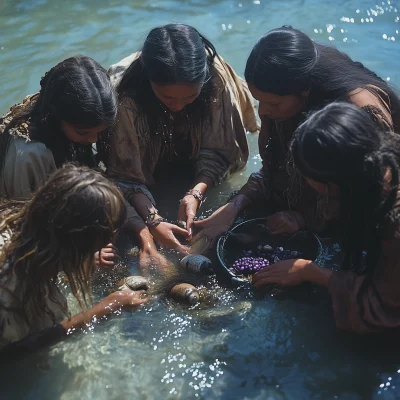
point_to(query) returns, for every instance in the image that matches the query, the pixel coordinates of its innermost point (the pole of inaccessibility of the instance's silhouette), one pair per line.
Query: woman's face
(80, 134)
(176, 96)
(278, 107)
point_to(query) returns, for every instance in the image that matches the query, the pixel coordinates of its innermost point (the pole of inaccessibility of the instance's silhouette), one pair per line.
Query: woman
(290, 75)
(71, 217)
(75, 108)
(340, 150)
(181, 106)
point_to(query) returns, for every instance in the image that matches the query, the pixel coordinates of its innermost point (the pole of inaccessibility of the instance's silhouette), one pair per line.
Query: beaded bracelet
(196, 194)
(151, 220)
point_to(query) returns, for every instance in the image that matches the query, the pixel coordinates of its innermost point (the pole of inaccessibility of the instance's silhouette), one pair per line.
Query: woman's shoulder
(376, 102)
(22, 129)
(115, 71)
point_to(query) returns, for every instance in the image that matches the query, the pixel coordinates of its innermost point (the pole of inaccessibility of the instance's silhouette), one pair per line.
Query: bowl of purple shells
(250, 247)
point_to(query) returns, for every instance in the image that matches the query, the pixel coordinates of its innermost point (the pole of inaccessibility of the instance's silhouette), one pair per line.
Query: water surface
(247, 348)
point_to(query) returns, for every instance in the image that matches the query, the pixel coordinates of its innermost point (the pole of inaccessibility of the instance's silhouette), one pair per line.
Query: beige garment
(13, 326)
(371, 303)
(222, 148)
(27, 166)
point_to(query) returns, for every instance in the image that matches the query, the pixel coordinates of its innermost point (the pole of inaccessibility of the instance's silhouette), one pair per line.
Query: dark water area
(248, 346)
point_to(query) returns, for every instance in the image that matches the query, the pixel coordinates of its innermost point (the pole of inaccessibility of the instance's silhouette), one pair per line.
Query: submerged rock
(197, 263)
(185, 293)
(135, 282)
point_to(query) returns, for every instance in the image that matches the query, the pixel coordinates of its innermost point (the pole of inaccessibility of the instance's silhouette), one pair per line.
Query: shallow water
(248, 347)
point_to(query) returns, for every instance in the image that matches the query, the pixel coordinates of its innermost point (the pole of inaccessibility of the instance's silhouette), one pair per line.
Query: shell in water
(185, 293)
(197, 263)
(200, 246)
(133, 283)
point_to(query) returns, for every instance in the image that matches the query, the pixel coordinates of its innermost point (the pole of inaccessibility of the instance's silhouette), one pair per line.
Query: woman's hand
(107, 256)
(130, 300)
(283, 273)
(152, 258)
(164, 233)
(187, 211)
(285, 222)
(217, 224)
(292, 273)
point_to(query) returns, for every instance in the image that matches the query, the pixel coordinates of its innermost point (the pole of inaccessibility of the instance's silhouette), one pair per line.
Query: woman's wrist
(313, 273)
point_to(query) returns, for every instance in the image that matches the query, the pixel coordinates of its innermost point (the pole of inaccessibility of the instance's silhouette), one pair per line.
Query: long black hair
(340, 144)
(172, 53)
(78, 91)
(287, 62)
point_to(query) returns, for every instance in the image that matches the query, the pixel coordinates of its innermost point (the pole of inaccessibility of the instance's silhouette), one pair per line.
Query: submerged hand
(187, 211)
(217, 224)
(129, 299)
(107, 256)
(152, 258)
(165, 233)
(285, 222)
(283, 273)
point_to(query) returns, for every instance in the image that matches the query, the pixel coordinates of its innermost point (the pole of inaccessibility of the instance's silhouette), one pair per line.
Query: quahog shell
(197, 263)
(135, 282)
(185, 293)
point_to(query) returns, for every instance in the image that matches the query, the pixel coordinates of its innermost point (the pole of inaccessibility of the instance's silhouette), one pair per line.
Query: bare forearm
(315, 274)
(105, 307)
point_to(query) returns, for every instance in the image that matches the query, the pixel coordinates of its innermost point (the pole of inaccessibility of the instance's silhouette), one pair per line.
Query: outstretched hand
(164, 233)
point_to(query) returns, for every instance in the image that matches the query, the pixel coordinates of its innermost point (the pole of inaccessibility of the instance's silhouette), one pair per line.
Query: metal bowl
(228, 250)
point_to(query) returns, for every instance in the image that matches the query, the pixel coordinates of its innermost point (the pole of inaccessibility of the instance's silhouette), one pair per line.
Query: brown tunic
(278, 187)
(371, 303)
(218, 149)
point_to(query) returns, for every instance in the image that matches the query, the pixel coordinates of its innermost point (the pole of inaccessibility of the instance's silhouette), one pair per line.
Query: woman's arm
(125, 299)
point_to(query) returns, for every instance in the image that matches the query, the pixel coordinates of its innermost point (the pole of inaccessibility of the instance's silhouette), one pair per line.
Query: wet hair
(75, 214)
(287, 62)
(341, 144)
(78, 91)
(171, 54)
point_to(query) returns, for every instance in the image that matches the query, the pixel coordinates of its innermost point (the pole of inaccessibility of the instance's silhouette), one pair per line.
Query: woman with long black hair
(340, 150)
(290, 76)
(182, 107)
(75, 108)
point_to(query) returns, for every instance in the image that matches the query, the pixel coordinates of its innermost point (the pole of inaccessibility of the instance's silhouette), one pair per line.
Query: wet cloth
(371, 303)
(216, 150)
(13, 325)
(279, 186)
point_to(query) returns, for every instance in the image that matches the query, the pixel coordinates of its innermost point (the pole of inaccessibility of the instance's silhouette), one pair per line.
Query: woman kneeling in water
(75, 108)
(341, 151)
(70, 218)
(182, 109)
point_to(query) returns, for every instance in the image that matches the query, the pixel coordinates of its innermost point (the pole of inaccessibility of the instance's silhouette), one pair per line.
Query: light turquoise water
(246, 348)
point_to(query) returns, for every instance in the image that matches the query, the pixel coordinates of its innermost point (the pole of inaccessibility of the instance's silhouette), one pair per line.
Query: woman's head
(75, 214)
(287, 70)
(77, 97)
(332, 144)
(278, 71)
(177, 60)
(342, 145)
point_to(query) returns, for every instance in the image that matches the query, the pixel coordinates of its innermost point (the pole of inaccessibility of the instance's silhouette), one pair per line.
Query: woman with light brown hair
(76, 213)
